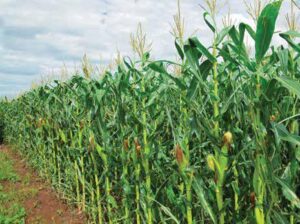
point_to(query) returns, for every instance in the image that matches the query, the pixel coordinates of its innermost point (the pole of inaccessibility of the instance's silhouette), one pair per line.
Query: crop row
(217, 142)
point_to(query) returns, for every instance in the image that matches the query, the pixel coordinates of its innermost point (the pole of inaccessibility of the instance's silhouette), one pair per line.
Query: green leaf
(279, 218)
(259, 174)
(265, 29)
(297, 154)
(179, 50)
(209, 23)
(192, 88)
(288, 37)
(101, 153)
(284, 135)
(283, 55)
(245, 27)
(197, 186)
(193, 56)
(291, 84)
(111, 200)
(196, 43)
(291, 33)
(63, 136)
(288, 193)
(157, 67)
(167, 211)
(233, 33)
(222, 34)
(205, 67)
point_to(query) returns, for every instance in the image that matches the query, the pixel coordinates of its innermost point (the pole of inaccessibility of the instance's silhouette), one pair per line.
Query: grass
(11, 210)
(12, 197)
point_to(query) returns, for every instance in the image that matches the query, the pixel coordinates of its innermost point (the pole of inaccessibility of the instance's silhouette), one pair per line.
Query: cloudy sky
(38, 37)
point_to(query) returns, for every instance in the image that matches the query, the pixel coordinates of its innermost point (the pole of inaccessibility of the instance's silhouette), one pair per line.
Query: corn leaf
(284, 135)
(197, 185)
(179, 49)
(291, 84)
(279, 218)
(209, 21)
(288, 37)
(288, 193)
(222, 34)
(265, 29)
(196, 43)
(167, 211)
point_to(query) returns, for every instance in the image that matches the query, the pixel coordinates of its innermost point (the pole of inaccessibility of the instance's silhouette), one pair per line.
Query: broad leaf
(209, 21)
(284, 135)
(179, 49)
(288, 193)
(196, 43)
(222, 34)
(291, 84)
(265, 29)
(288, 37)
(201, 195)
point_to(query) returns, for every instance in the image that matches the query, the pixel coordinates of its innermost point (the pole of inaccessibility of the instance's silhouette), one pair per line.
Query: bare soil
(42, 204)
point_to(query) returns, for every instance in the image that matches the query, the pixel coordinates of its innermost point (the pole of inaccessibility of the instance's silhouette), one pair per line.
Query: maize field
(215, 142)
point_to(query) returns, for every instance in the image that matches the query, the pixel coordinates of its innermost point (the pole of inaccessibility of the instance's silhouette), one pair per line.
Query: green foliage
(6, 169)
(131, 147)
(1, 131)
(265, 29)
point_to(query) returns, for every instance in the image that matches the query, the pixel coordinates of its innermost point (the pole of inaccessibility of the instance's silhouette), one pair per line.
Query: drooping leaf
(205, 68)
(288, 37)
(196, 43)
(288, 193)
(158, 67)
(291, 84)
(245, 27)
(279, 218)
(201, 195)
(209, 21)
(193, 56)
(222, 34)
(283, 56)
(284, 135)
(168, 212)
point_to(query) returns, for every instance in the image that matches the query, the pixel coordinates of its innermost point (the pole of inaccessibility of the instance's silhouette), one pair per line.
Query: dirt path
(41, 203)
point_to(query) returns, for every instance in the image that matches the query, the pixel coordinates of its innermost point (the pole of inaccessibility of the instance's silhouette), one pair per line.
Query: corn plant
(214, 141)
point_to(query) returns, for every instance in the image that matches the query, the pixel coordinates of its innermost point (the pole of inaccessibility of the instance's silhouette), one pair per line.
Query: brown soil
(42, 204)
